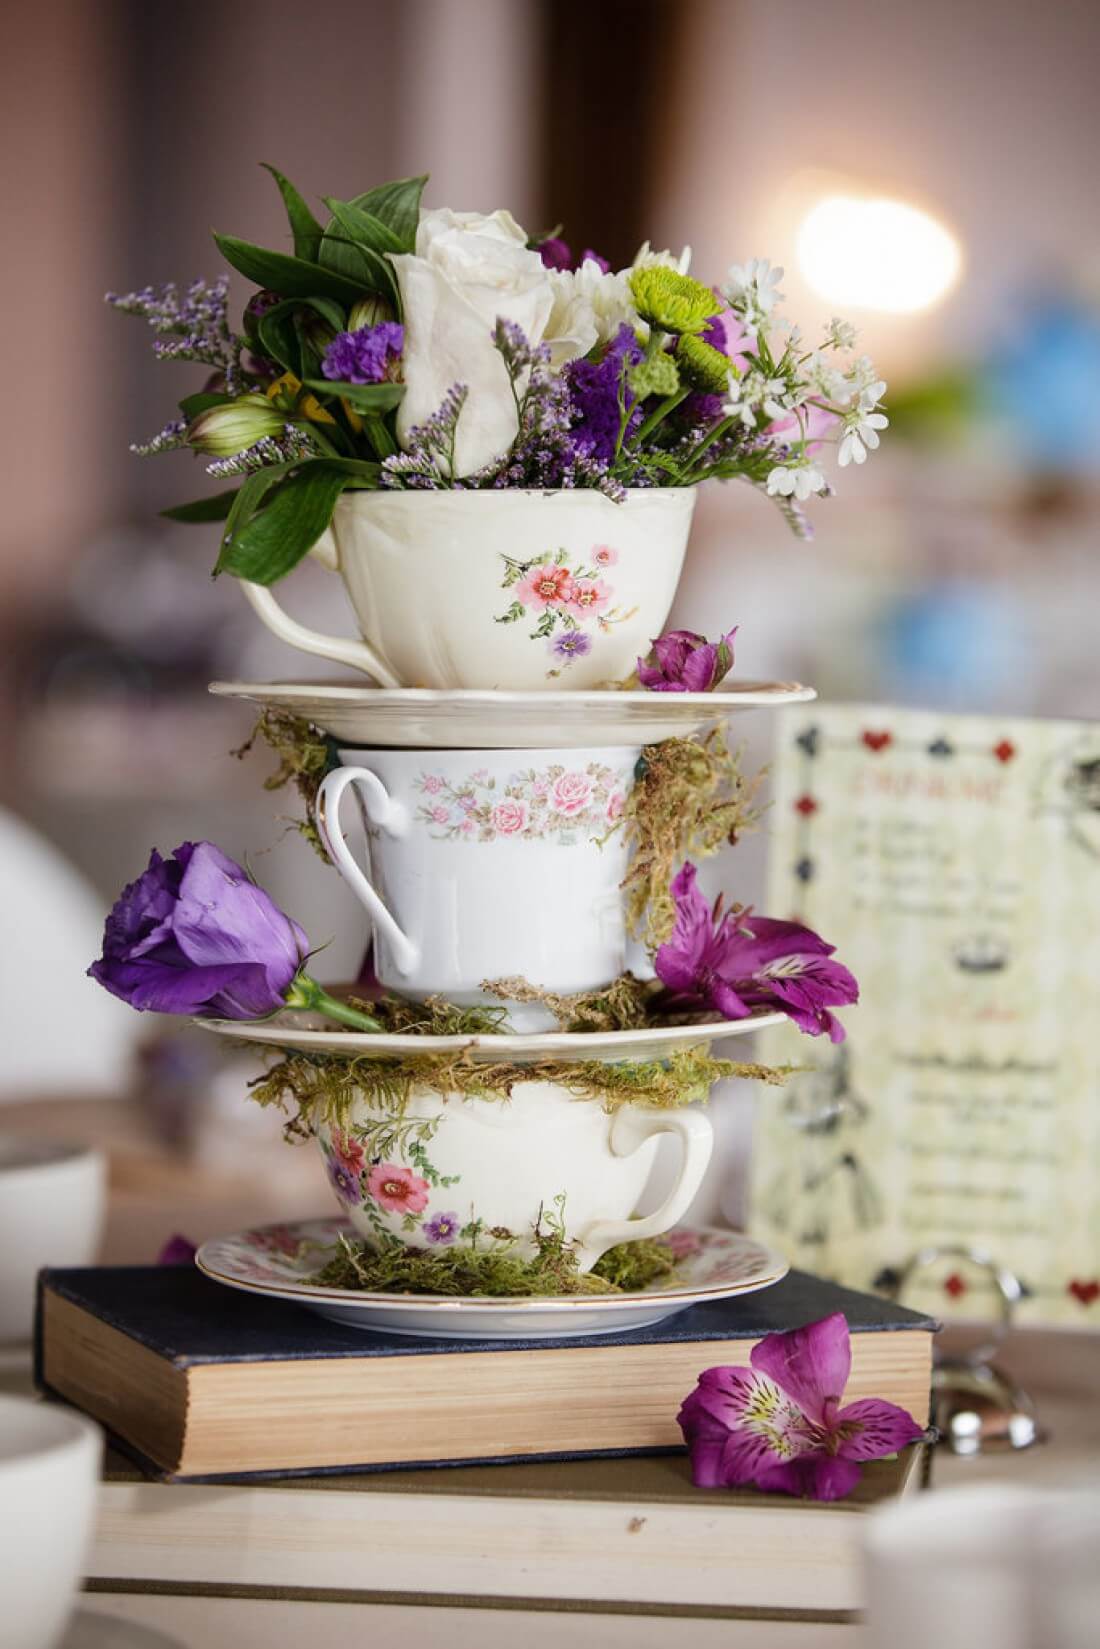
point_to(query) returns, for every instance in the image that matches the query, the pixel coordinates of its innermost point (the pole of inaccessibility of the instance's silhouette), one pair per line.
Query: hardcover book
(198, 1381)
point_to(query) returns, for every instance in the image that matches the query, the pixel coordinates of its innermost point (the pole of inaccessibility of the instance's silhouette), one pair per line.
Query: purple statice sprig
(429, 457)
(191, 326)
(292, 444)
(369, 355)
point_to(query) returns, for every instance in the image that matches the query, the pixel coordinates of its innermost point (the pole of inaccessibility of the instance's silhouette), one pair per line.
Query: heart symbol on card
(877, 741)
(1085, 1291)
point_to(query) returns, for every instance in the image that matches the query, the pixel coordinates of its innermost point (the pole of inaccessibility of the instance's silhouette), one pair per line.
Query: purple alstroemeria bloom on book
(779, 1424)
(682, 661)
(738, 963)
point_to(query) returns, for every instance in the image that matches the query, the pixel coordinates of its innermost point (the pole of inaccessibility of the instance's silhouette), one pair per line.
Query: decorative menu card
(954, 861)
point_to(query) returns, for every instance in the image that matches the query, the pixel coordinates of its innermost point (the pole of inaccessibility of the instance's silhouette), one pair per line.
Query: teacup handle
(388, 815)
(342, 649)
(631, 1127)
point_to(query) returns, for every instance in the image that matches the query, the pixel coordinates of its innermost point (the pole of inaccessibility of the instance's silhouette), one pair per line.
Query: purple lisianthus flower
(779, 1423)
(344, 1182)
(595, 388)
(443, 1229)
(194, 935)
(365, 356)
(683, 662)
(738, 964)
(571, 644)
(555, 253)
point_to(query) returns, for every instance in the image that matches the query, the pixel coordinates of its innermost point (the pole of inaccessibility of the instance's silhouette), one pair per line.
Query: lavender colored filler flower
(779, 1423)
(365, 355)
(194, 935)
(443, 1229)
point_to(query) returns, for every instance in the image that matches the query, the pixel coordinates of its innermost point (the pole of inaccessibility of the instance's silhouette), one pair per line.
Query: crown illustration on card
(982, 953)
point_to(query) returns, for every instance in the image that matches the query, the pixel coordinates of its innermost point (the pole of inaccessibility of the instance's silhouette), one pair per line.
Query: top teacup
(513, 590)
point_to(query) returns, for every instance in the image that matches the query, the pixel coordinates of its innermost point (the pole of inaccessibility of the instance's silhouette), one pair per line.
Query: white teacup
(475, 1166)
(487, 864)
(447, 589)
(49, 1475)
(52, 1199)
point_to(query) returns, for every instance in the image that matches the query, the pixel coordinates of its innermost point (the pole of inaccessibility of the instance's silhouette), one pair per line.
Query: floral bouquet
(403, 347)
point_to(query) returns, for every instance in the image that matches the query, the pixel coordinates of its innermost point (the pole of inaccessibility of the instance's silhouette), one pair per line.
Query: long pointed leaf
(276, 539)
(369, 398)
(363, 227)
(344, 249)
(289, 277)
(304, 227)
(397, 205)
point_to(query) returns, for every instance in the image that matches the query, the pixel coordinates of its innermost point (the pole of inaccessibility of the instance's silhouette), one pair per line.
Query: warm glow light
(877, 254)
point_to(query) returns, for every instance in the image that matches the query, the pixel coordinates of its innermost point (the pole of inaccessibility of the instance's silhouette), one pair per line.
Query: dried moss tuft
(496, 1270)
(314, 1088)
(306, 756)
(689, 800)
(624, 1005)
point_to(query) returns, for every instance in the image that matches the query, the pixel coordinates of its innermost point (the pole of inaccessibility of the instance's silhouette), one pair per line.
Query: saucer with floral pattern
(423, 718)
(281, 1262)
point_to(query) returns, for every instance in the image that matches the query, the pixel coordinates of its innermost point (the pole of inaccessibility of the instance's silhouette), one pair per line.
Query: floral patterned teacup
(488, 864)
(448, 1171)
(509, 589)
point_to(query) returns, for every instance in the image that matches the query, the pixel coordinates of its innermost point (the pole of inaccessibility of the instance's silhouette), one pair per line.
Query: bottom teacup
(448, 1170)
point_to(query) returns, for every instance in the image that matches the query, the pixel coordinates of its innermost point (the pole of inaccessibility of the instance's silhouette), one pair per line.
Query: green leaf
(248, 500)
(214, 508)
(279, 338)
(354, 243)
(289, 277)
(397, 205)
(369, 398)
(278, 536)
(304, 227)
(192, 405)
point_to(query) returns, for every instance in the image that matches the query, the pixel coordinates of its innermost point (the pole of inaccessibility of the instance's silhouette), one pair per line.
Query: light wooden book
(596, 1534)
(200, 1382)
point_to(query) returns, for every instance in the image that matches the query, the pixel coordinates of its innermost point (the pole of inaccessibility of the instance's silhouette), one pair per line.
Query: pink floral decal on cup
(566, 602)
(397, 1188)
(532, 804)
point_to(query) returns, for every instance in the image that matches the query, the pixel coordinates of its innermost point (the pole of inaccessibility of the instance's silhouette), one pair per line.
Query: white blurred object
(877, 254)
(52, 1203)
(986, 1567)
(60, 1032)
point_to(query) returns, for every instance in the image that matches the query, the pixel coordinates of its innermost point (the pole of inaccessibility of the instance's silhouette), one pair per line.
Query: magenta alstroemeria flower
(683, 662)
(737, 964)
(779, 1424)
(195, 935)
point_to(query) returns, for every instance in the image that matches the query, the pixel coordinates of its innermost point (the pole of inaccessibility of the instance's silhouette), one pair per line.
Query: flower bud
(228, 429)
(371, 311)
(657, 375)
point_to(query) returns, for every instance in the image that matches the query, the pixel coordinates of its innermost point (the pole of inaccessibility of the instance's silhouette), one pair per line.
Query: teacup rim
(55, 1154)
(73, 1434)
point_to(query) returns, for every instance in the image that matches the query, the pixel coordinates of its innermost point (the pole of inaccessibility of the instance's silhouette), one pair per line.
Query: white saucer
(713, 1265)
(464, 719)
(89, 1630)
(297, 1031)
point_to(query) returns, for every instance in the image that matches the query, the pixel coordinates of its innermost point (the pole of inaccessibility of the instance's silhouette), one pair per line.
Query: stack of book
(541, 1465)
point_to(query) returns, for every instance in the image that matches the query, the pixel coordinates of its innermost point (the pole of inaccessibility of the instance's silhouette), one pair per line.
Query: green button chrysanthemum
(656, 376)
(704, 367)
(672, 301)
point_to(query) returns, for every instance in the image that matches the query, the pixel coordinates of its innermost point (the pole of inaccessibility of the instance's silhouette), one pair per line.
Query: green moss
(326, 1087)
(495, 1269)
(305, 755)
(689, 800)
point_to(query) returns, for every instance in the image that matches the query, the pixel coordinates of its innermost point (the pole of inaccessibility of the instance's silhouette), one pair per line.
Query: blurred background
(925, 171)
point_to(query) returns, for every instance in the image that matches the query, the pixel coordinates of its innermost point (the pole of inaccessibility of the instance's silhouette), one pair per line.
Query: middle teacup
(486, 864)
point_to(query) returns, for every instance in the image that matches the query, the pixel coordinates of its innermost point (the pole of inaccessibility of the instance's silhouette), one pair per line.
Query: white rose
(589, 308)
(468, 270)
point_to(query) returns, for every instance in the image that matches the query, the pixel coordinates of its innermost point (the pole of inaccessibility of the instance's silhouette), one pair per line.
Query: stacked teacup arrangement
(497, 448)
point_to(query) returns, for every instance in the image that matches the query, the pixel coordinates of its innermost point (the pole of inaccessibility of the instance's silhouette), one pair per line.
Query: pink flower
(441, 814)
(467, 803)
(348, 1151)
(397, 1188)
(615, 804)
(571, 793)
(545, 585)
(510, 816)
(468, 827)
(433, 784)
(682, 1242)
(589, 596)
(779, 1423)
(817, 423)
(480, 777)
(604, 556)
(539, 788)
